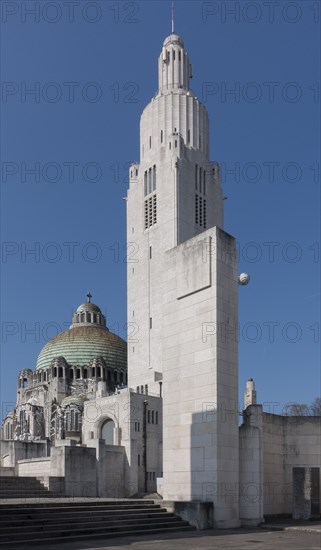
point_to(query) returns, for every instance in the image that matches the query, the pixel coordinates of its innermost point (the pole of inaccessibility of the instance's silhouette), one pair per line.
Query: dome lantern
(88, 314)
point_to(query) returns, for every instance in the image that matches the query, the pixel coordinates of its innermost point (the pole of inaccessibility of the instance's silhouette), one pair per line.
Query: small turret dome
(173, 39)
(88, 306)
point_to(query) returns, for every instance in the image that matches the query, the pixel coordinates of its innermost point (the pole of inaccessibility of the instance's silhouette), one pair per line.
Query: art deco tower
(182, 293)
(174, 195)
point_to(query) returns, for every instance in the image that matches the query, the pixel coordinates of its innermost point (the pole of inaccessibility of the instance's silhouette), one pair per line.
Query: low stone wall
(13, 451)
(34, 467)
(6, 472)
(77, 465)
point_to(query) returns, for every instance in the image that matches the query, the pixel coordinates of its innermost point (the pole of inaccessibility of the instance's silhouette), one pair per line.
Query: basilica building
(98, 417)
(77, 365)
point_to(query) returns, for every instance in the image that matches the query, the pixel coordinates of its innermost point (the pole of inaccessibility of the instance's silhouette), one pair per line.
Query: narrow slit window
(145, 183)
(154, 177)
(150, 182)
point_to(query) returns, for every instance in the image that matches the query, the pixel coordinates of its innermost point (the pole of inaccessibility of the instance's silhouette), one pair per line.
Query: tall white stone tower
(182, 293)
(174, 195)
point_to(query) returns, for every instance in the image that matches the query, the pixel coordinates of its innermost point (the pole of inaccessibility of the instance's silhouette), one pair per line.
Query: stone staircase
(22, 487)
(55, 522)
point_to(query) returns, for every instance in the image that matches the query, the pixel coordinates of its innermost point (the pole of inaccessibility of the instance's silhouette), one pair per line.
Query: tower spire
(172, 16)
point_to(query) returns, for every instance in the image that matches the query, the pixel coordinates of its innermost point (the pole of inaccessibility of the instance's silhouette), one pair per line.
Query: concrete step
(22, 487)
(91, 536)
(93, 517)
(85, 503)
(73, 525)
(44, 523)
(51, 537)
(28, 494)
(67, 508)
(5, 480)
(6, 483)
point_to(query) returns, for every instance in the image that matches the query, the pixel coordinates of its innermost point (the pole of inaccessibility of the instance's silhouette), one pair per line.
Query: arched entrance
(107, 431)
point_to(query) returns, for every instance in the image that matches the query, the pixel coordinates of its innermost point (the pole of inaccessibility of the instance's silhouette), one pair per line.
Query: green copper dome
(88, 338)
(80, 345)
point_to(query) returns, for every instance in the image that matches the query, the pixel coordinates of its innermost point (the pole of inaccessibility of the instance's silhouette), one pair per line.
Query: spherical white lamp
(244, 279)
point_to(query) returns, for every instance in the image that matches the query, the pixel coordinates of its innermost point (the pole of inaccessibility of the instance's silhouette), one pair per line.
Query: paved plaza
(292, 538)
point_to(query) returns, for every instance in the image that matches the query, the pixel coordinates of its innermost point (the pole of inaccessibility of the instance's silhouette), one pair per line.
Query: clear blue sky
(94, 68)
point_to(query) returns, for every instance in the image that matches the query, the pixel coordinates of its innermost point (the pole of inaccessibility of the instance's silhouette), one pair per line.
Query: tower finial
(89, 296)
(172, 16)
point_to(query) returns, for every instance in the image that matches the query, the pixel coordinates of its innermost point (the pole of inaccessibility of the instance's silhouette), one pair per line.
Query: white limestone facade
(200, 401)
